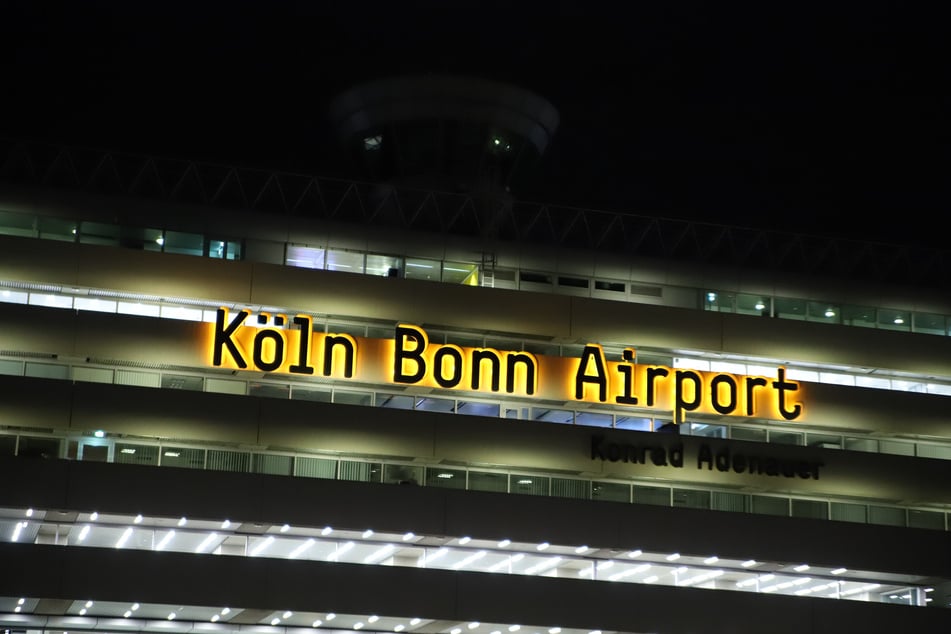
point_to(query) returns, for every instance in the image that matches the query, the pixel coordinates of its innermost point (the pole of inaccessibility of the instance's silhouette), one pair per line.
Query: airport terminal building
(239, 401)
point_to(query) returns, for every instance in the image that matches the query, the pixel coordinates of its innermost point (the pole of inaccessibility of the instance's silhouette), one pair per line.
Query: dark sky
(826, 117)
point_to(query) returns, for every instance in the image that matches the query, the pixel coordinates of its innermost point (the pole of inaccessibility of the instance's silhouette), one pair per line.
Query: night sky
(826, 118)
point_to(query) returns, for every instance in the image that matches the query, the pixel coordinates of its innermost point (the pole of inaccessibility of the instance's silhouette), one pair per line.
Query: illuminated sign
(276, 344)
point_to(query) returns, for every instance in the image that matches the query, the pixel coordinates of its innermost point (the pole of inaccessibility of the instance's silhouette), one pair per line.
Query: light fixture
(415, 621)
(94, 516)
(379, 554)
(473, 625)
(138, 519)
(165, 540)
(317, 623)
(634, 554)
(99, 433)
(88, 604)
(801, 568)
(126, 534)
(760, 305)
(464, 540)
(135, 606)
(749, 563)
(542, 546)
(672, 557)
(287, 615)
(182, 521)
(711, 560)
(225, 611)
(82, 612)
(171, 616)
(340, 550)
(829, 312)
(514, 628)
(367, 534)
(127, 614)
(445, 475)
(839, 571)
(330, 616)
(326, 531)
(399, 627)
(297, 552)
(373, 618)
(285, 528)
(261, 546)
(504, 543)
(581, 550)
(275, 621)
(899, 321)
(205, 543)
(225, 524)
(215, 617)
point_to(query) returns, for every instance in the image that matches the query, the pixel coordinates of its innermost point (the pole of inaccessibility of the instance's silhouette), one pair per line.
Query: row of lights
(386, 550)
(377, 555)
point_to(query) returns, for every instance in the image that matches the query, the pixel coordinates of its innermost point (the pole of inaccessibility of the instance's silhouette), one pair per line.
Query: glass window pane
(445, 478)
(58, 229)
(933, 520)
(862, 444)
(769, 505)
(553, 415)
(353, 398)
(823, 312)
(824, 441)
(269, 390)
(748, 433)
(929, 323)
(735, 502)
(705, 430)
(46, 370)
(315, 468)
(8, 445)
(785, 437)
(37, 447)
(636, 423)
(228, 461)
(611, 491)
(95, 304)
(384, 265)
(16, 224)
(394, 401)
(529, 484)
(568, 488)
(184, 243)
(402, 474)
(418, 269)
(460, 273)
(347, 261)
(435, 404)
(811, 509)
(896, 447)
(719, 302)
(478, 409)
(143, 239)
(594, 419)
(183, 457)
(360, 471)
(182, 382)
(788, 308)
(752, 305)
(844, 512)
(99, 233)
(270, 464)
(886, 515)
(689, 498)
(652, 495)
(863, 316)
(304, 257)
(889, 319)
(137, 454)
(487, 481)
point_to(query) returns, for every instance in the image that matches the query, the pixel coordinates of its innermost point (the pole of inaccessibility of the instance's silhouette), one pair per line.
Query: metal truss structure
(489, 217)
